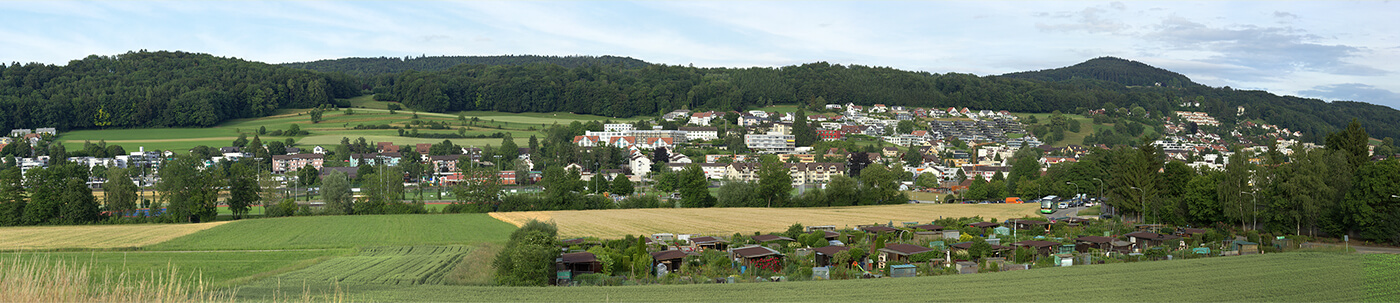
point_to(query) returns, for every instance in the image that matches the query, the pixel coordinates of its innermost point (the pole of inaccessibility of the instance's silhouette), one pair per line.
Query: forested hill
(655, 89)
(386, 65)
(1111, 69)
(150, 89)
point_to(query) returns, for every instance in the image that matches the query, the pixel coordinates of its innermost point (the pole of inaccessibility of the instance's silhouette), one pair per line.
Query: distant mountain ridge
(1111, 69)
(361, 66)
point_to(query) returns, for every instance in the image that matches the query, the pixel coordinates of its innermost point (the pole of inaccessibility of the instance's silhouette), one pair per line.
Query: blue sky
(1330, 50)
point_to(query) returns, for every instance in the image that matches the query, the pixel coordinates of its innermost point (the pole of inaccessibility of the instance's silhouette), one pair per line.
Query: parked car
(1064, 205)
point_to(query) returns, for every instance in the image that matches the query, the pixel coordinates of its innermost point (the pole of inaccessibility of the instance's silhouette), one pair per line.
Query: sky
(1330, 50)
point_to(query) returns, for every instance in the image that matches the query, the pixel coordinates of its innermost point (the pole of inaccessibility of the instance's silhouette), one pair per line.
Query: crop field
(217, 268)
(1382, 277)
(94, 236)
(402, 265)
(1296, 277)
(344, 232)
(617, 223)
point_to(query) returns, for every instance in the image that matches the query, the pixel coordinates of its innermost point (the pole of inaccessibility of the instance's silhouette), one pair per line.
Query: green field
(221, 268)
(379, 266)
(344, 232)
(1307, 277)
(334, 126)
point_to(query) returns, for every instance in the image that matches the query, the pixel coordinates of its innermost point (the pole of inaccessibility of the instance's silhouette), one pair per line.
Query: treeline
(157, 89)
(1335, 191)
(362, 67)
(655, 89)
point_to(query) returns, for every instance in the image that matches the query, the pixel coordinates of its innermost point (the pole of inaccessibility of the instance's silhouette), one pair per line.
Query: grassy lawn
(1091, 211)
(1308, 277)
(923, 196)
(344, 232)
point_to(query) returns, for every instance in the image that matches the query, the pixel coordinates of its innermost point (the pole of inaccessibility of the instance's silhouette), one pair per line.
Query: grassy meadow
(617, 223)
(334, 125)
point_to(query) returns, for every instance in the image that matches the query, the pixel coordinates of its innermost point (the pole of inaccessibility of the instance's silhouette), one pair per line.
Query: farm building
(709, 243)
(759, 258)
(899, 253)
(825, 253)
(571, 265)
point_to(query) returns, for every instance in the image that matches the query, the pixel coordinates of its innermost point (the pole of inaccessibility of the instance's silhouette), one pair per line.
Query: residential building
(290, 163)
(771, 143)
(618, 127)
(829, 135)
(700, 133)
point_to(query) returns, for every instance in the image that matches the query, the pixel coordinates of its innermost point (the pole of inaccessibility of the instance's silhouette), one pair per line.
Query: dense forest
(153, 89)
(361, 67)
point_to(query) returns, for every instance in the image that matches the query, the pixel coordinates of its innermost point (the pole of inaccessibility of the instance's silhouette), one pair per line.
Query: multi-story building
(700, 133)
(771, 143)
(290, 163)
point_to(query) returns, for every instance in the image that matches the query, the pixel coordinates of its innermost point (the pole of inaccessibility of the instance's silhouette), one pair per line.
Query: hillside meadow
(618, 223)
(334, 126)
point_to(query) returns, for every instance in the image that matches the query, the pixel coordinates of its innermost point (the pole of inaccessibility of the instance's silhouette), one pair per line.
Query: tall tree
(335, 190)
(12, 197)
(119, 192)
(802, 131)
(243, 188)
(774, 183)
(190, 192)
(694, 187)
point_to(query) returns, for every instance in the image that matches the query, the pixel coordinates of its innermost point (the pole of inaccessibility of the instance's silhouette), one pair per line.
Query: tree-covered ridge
(152, 89)
(1111, 69)
(386, 65)
(655, 89)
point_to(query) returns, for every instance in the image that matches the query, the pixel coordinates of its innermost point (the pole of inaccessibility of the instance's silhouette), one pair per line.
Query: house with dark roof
(1031, 224)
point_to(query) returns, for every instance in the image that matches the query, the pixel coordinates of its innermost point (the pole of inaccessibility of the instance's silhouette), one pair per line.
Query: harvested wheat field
(616, 223)
(94, 236)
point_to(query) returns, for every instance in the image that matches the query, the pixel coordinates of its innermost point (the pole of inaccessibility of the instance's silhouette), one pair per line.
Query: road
(1068, 212)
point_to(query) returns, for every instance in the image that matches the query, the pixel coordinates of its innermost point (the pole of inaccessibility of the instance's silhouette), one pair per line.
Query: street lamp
(1100, 189)
(1256, 207)
(1142, 214)
(1076, 188)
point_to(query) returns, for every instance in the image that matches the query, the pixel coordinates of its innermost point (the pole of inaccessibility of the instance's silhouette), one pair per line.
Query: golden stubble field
(94, 236)
(616, 223)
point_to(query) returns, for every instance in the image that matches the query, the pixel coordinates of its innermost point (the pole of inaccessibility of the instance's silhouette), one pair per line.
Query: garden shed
(898, 252)
(1149, 239)
(902, 271)
(671, 258)
(759, 257)
(710, 243)
(824, 254)
(1085, 243)
(1043, 248)
(771, 238)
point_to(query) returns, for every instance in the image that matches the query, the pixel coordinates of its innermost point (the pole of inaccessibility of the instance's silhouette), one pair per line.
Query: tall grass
(45, 280)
